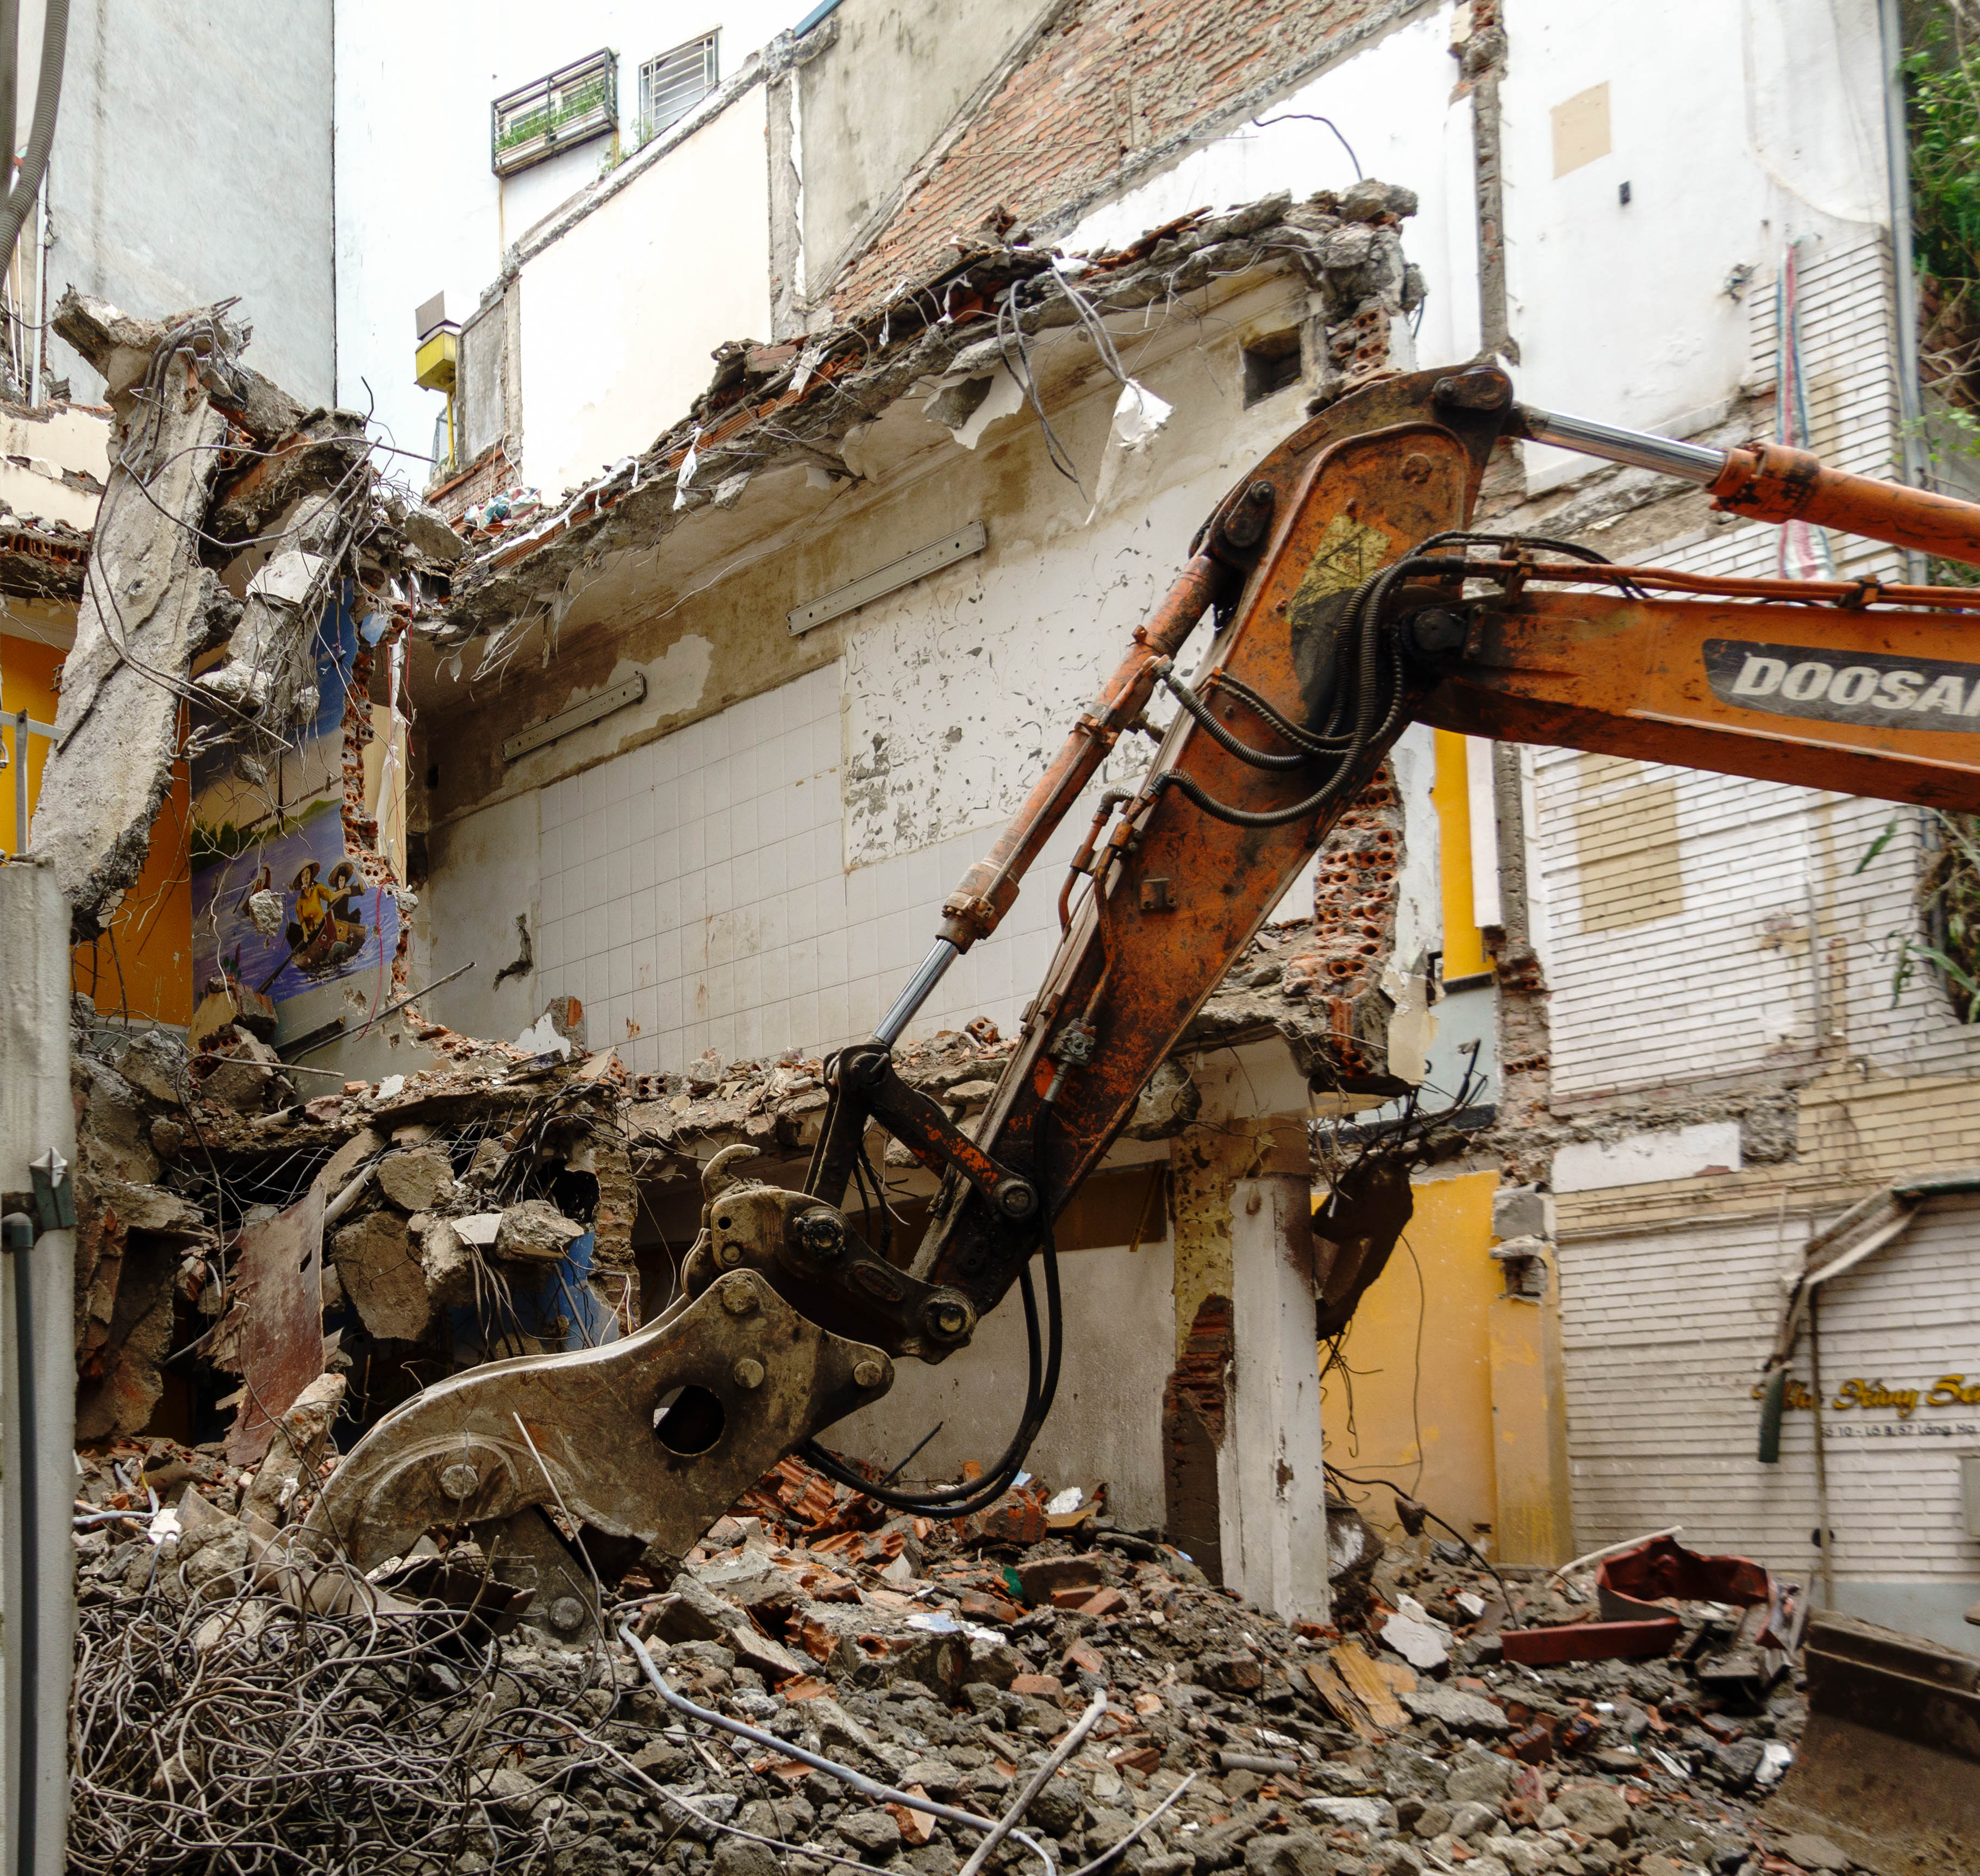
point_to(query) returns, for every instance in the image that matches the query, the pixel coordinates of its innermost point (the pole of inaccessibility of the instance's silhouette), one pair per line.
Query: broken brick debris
(942, 1659)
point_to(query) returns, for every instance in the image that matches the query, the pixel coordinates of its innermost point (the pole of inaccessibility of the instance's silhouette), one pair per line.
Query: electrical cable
(1334, 1472)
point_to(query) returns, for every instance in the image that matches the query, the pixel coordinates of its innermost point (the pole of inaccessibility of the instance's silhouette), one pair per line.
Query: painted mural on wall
(278, 907)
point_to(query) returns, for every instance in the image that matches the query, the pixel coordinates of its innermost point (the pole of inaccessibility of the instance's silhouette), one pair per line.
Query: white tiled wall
(695, 895)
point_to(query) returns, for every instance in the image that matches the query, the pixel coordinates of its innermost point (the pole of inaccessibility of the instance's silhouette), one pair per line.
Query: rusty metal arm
(1830, 685)
(1769, 481)
(1207, 843)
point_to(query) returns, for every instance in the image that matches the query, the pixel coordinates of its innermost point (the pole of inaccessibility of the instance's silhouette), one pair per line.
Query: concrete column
(37, 1565)
(1274, 1512)
(1245, 1491)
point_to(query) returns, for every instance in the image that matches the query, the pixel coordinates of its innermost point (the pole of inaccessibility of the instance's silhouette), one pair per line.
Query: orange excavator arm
(1353, 600)
(1349, 596)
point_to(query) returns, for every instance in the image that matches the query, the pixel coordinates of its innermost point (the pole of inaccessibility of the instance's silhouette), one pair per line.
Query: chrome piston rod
(1692, 462)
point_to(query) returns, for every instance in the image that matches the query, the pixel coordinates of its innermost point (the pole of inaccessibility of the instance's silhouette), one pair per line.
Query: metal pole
(37, 1411)
(20, 781)
(1826, 1560)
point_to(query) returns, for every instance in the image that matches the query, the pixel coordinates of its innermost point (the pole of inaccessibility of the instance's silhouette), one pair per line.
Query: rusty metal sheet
(278, 1343)
(1590, 1641)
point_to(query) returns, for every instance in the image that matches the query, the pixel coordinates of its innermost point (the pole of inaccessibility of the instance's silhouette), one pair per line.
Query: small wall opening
(1271, 363)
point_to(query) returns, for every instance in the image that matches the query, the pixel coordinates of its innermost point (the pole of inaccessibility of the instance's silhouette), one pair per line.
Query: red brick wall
(1113, 78)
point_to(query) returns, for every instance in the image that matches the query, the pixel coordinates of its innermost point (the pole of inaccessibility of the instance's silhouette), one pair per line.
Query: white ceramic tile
(773, 922)
(597, 939)
(593, 890)
(863, 901)
(772, 870)
(693, 896)
(618, 775)
(619, 921)
(592, 784)
(665, 851)
(639, 813)
(644, 920)
(745, 872)
(801, 968)
(618, 825)
(862, 1004)
(693, 846)
(645, 964)
(804, 1032)
(834, 1024)
(597, 981)
(721, 886)
(667, 954)
(834, 944)
(620, 982)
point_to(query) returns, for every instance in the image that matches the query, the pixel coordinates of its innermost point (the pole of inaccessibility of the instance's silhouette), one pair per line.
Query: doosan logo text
(1866, 687)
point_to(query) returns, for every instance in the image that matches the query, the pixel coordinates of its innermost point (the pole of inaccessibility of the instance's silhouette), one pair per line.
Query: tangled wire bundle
(240, 1733)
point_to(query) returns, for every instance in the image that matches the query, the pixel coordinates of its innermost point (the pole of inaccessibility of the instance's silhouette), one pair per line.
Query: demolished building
(616, 790)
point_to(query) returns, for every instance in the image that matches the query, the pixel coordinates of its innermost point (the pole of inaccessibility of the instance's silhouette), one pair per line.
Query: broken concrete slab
(383, 1277)
(276, 1343)
(148, 605)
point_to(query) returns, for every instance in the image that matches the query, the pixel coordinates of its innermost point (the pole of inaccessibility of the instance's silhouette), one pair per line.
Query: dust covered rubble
(944, 1660)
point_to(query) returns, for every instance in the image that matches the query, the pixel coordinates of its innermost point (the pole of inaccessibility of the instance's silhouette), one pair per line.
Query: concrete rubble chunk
(382, 1276)
(1596, 1810)
(1813, 1852)
(535, 1229)
(420, 1180)
(1462, 1712)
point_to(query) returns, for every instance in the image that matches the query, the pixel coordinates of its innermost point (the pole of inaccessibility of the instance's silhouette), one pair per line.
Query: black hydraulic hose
(965, 1500)
(1223, 738)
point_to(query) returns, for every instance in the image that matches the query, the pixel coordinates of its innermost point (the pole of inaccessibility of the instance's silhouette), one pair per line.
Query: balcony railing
(550, 116)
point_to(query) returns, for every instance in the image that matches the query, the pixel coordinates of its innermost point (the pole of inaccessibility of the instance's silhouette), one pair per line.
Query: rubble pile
(466, 1186)
(943, 1663)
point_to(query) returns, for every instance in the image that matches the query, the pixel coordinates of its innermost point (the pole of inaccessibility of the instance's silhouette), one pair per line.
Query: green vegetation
(1947, 936)
(1943, 90)
(564, 108)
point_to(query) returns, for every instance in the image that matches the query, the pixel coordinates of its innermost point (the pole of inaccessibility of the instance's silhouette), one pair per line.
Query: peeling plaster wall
(684, 250)
(764, 877)
(192, 162)
(853, 157)
(1770, 112)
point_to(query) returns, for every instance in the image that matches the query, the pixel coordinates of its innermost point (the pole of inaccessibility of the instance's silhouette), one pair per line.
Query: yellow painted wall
(1419, 1358)
(150, 940)
(1464, 944)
